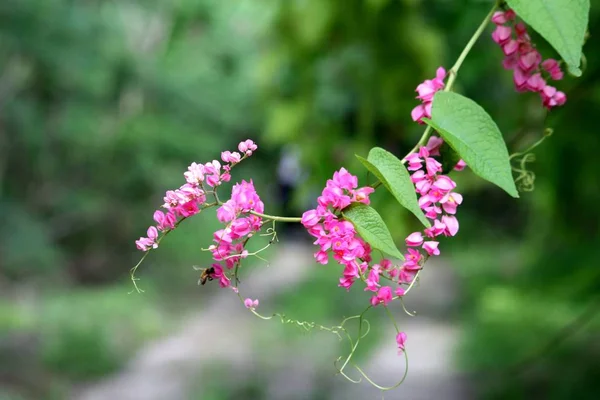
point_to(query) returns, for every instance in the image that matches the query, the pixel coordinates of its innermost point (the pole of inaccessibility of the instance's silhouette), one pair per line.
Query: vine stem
(277, 218)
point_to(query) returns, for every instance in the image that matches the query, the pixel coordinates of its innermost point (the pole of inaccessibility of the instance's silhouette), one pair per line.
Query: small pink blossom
(501, 34)
(437, 229)
(431, 248)
(400, 341)
(460, 165)
(252, 304)
(229, 157)
(165, 221)
(247, 147)
(414, 239)
(362, 195)
(426, 91)
(310, 218)
(384, 295)
(433, 145)
(195, 174)
(451, 225)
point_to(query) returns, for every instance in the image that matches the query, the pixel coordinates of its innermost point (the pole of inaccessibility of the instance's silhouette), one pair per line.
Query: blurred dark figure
(289, 176)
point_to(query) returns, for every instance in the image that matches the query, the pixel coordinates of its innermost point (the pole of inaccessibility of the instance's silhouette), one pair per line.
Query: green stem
(276, 218)
(454, 70)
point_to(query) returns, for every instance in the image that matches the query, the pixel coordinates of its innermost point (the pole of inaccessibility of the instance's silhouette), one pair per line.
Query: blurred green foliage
(103, 104)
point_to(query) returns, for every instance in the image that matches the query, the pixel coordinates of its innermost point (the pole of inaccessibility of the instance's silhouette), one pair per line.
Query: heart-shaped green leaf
(394, 176)
(472, 133)
(561, 22)
(371, 228)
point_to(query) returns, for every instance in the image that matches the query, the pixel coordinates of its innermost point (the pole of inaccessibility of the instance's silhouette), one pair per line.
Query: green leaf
(449, 158)
(371, 228)
(561, 22)
(394, 176)
(472, 133)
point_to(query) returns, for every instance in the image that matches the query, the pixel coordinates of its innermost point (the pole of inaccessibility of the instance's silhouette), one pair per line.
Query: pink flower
(372, 281)
(322, 257)
(510, 47)
(230, 157)
(247, 147)
(245, 197)
(501, 34)
(450, 202)
(188, 209)
(310, 218)
(500, 17)
(444, 184)
(384, 295)
(165, 221)
(433, 145)
(400, 291)
(195, 174)
(431, 248)
(362, 195)
(451, 225)
(152, 233)
(460, 165)
(553, 68)
(536, 83)
(432, 166)
(530, 60)
(418, 113)
(414, 162)
(227, 212)
(520, 79)
(344, 180)
(145, 244)
(437, 229)
(414, 239)
(249, 303)
(400, 341)
(426, 91)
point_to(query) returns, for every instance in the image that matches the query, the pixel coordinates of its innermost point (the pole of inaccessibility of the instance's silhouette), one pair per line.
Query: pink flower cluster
(229, 241)
(530, 73)
(438, 201)
(190, 198)
(339, 237)
(336, 235)
(426, 91)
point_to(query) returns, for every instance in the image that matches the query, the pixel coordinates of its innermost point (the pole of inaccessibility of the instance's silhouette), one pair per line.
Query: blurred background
(104, 104)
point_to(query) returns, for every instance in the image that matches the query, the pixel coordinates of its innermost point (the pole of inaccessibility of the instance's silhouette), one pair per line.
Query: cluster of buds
(190, 198)
(530, 73)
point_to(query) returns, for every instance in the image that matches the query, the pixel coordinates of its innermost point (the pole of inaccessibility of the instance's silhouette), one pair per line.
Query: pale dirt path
(164, 369)
(167, 368)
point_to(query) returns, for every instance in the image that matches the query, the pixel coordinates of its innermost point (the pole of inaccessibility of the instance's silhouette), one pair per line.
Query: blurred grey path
(167, 368)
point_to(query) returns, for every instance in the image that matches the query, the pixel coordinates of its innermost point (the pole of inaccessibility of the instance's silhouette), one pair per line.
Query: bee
(207, 275)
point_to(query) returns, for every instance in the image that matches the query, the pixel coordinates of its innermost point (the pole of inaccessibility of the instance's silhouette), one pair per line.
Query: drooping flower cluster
(336, 235)
(426, 91)
(438, 201)
(530, 73)
(228, 249)
(190, 198)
